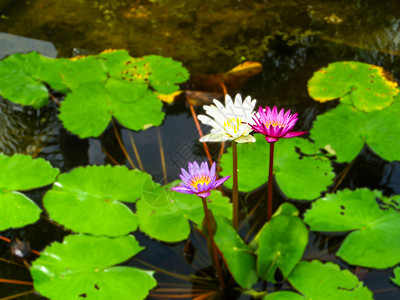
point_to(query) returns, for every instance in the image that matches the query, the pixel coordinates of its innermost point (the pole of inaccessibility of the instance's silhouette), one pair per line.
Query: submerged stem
(270, 180)
(164, 167)
(235, 192)
(213, 245)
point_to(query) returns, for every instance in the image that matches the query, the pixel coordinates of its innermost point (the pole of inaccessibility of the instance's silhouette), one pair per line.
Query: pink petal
(294, 133)
(271, 139)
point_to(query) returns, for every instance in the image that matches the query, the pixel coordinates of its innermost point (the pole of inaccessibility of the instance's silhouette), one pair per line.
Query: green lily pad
(346, 131)
(319, 281)
(289, 169)
(83, 267)
(163, 74)
(113, 84)
(157, 220)
(21, 173)
(240, 259)
(88, 199)
(364, 85)
(281, 243)
(396, 278)
(373, 240)
(285, 295)
(24, 77)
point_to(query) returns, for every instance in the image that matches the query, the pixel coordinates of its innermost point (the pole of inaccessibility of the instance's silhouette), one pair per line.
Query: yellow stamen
(199, 179)
(275, 124)
(233, 123)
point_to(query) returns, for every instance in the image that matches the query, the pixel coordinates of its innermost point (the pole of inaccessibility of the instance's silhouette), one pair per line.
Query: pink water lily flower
(275, 125)
(199, 180)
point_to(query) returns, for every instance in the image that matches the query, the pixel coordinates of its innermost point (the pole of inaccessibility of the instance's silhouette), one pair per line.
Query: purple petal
(191, 168)
(204, 194)
(294, 133)
(212, 170)
(196, 168)
(204, 168)
(185, 174)
(221, 181)
(182, 189)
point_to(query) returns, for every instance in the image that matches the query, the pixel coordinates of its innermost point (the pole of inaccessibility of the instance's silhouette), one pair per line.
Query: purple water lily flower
(275, 125)
(199, 180)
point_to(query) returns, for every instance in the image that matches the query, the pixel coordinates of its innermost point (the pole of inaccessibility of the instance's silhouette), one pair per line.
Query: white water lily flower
(230, 122)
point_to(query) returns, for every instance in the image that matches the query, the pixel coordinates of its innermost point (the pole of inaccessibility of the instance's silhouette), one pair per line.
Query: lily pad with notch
(157, 219)
(21, 173)
(289, 167)
(318, 281)
(365, 86)
(25, 78)
(374, 230)
(281, 243)
(90, 199)
(239, 257)
(83, 267)
(346, 131)
(107, 85)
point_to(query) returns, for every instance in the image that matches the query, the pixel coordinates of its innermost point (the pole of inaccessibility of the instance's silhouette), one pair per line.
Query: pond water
(291, 39)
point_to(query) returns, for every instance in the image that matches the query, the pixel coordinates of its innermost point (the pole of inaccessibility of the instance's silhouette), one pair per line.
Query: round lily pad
(24, 77)
(281, 243)
(89, 199)
(107, 85)
(319, 281)
(239, 258)
(163, 74)
(346, 130)
(21, 173)
(157, 220)
(289, 169)
(366, 86)
(83, 267)
(373, 239)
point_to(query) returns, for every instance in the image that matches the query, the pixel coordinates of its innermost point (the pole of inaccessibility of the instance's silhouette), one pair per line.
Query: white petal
(214, 138)
(238, 100)
(245, 139)
(216, 114)
(208, 121)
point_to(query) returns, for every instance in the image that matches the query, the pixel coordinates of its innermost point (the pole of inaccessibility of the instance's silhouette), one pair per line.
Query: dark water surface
(292, 39)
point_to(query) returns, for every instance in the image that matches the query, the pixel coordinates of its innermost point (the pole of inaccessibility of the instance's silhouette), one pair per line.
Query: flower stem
(213, 245)
(270, 180)
(235, 192)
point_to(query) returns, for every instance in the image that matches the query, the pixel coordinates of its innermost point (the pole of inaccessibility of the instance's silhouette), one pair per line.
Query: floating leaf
(239, 258)
(289, 169)
(82, 267)
(319, 281)
(346, 130)
(373, 240)
(157, 221)
(20, 173)
(365, 86)
(24, 77)
(396, 278)
(163, 74)
(113, 84)
(285, 295)
(281, 243)
(88, 200)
